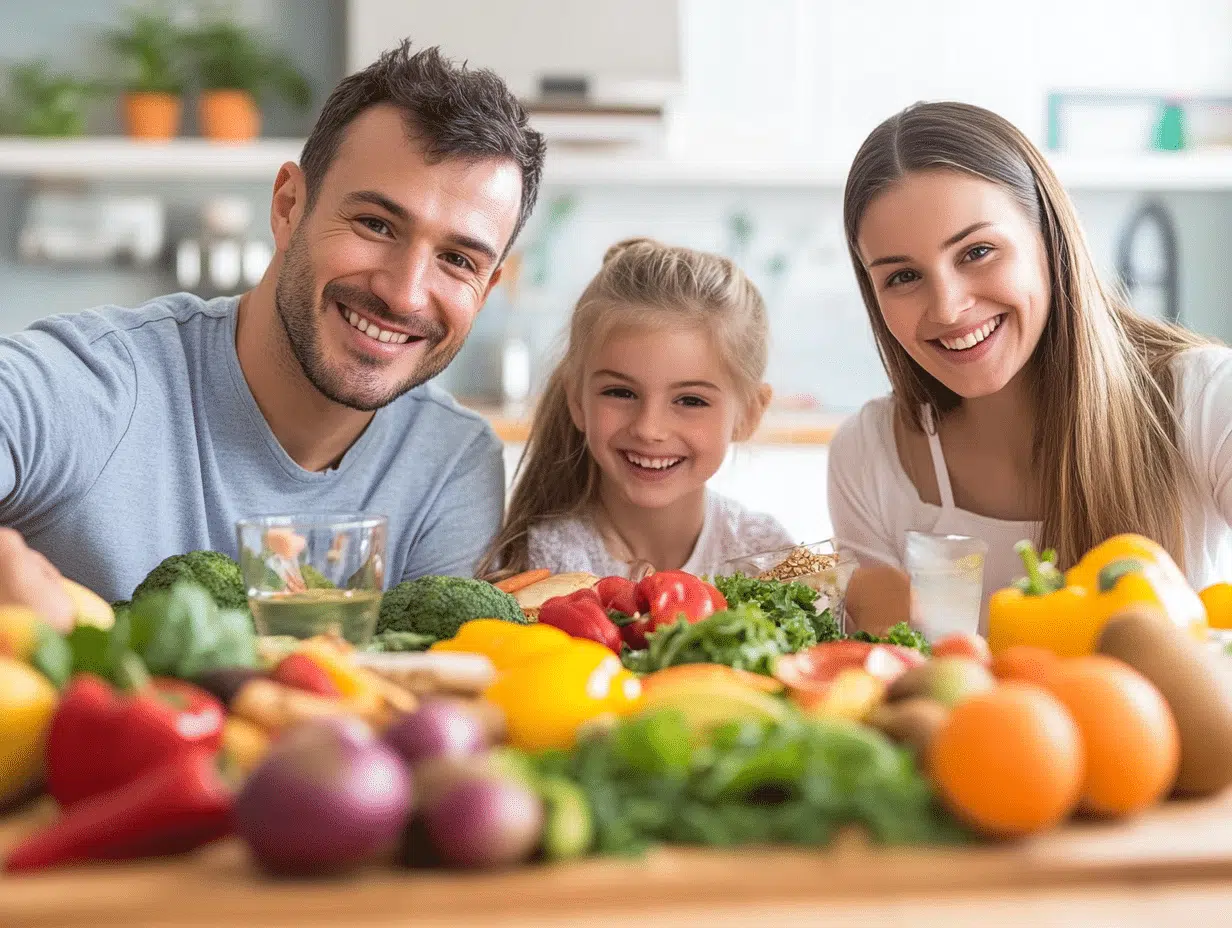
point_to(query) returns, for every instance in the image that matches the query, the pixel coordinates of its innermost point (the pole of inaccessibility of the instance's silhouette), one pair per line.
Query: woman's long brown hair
(1105, 451)
(642, 283)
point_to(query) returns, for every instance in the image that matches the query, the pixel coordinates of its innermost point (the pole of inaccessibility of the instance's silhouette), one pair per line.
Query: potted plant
(45, 102)
(151, 51)
(235, 69)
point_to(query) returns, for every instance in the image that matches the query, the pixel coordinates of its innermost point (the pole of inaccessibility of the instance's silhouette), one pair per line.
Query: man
(127, 435)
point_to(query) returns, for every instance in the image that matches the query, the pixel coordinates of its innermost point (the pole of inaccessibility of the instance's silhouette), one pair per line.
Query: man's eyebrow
(952, 240)
(402, 214)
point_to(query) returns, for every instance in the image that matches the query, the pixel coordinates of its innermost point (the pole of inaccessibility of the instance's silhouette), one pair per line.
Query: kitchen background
(723, 124)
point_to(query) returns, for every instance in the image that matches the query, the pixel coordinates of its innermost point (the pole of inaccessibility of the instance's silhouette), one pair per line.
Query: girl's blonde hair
(1105, 445)
(642, 284)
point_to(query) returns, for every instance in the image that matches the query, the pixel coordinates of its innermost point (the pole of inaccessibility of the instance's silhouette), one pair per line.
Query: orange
(1008, 761)
(1129, 735)
(1024, 663)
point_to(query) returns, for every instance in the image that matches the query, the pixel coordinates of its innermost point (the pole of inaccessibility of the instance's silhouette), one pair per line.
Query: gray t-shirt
(127, 435)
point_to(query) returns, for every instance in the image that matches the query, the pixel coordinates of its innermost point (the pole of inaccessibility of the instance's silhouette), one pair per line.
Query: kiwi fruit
(1196, 683)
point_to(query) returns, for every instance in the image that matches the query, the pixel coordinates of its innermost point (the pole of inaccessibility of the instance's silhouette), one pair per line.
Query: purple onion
(436, 729)
(328, 797)
(485, 822)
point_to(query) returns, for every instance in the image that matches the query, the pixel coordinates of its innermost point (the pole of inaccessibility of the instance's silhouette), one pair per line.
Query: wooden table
(1173, 866)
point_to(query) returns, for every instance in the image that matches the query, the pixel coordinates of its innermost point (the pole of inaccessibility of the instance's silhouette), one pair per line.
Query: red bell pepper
(101, 739)
(670, 594)
(581, 615)
(170, 809)
(619, 597)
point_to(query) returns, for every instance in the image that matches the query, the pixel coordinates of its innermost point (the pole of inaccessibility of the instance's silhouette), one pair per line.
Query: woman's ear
(751, 420)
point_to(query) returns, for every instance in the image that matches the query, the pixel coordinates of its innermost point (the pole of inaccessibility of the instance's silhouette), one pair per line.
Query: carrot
(522, 581)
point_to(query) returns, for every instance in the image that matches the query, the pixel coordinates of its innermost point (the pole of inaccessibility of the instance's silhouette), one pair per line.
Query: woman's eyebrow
(952, 240)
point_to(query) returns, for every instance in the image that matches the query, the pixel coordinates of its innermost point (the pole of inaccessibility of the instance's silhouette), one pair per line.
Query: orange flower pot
(229, 115)
(152, 115)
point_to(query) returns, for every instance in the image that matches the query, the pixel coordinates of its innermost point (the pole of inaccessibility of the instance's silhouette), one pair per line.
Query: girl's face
(961, 277)
(658, 409)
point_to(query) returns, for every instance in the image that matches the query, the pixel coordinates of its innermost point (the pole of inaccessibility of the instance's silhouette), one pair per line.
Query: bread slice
(530, 598)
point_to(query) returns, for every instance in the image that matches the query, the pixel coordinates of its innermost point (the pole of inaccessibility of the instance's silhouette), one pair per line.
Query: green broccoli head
(439, 606)
(214, 571)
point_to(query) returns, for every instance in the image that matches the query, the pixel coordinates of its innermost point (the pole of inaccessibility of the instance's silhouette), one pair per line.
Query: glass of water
(947, 582)
(314, 574)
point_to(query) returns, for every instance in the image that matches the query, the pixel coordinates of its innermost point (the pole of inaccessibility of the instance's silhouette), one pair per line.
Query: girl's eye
(620, 393)
(379, 226)
(977, 252)
(905, 276)
(459, 261)
(694, 401)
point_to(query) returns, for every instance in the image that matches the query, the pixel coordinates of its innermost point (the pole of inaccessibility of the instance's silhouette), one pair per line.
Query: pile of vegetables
(417, 613)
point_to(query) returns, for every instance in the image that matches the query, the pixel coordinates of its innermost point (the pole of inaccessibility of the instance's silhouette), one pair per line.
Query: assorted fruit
(551, 716)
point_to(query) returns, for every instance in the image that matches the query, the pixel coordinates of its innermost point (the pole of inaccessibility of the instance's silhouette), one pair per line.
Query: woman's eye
(379, 226)
(977, 252)
(620, 393)
(459, 261)
(695, 401)
(905, 276)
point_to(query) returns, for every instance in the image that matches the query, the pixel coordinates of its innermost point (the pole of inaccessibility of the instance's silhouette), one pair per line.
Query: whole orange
(1008, 761)
(1025, 663)
(1129, 735)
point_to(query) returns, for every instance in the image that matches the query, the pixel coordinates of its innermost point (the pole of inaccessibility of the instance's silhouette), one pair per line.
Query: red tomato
(963, 645)
(813, 669)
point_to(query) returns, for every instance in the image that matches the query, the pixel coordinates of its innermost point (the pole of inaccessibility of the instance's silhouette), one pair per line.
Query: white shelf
(197, 159)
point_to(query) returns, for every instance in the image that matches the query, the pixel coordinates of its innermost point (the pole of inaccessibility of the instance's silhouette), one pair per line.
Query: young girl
(667, 348)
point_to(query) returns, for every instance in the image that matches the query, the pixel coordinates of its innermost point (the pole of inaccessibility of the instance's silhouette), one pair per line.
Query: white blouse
(728, 531)
(873, 501)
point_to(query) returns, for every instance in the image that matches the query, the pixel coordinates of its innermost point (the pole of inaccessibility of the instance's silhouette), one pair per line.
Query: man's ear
(288, 204)
(751, 420)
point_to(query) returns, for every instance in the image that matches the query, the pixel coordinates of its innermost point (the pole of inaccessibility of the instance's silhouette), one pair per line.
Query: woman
(1028, 400)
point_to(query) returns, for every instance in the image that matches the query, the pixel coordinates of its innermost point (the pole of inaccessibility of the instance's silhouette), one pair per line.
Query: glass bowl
(821, 565)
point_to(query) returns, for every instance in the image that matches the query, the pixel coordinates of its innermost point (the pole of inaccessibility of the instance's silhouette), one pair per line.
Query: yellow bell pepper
(1217, 599)
(1066, 614)
(27, 703)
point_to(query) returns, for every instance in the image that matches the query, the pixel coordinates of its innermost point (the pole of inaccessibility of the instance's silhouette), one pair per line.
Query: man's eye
(379, 226)
(905, 276)
(620, 393)
(694, 401)
(457, 260)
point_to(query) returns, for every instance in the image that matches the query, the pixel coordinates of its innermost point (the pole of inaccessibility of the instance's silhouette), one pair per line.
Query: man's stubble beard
(301, 316)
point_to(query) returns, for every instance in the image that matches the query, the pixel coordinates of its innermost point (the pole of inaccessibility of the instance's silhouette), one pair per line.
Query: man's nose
(402, 282)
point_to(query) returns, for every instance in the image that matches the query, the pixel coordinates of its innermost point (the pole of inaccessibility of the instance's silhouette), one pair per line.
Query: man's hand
(29, 579)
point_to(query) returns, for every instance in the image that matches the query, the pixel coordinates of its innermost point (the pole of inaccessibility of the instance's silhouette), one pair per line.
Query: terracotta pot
(229, 115)
(152, 115)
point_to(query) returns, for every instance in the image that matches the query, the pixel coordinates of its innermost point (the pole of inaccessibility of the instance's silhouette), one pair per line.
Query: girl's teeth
(971, 339)
(651, 463)
(374, 331)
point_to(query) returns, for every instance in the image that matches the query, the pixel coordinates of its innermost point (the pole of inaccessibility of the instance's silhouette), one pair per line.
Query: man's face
(381, 281)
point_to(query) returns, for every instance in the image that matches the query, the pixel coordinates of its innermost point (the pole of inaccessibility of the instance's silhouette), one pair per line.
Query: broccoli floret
(439, 606)
(400, 641)
(216, 572)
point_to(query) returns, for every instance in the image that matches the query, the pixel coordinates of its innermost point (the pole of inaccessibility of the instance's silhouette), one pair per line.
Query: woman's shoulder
(864, 444)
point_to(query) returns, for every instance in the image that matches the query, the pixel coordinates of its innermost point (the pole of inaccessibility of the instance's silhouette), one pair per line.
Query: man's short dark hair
(453, 110)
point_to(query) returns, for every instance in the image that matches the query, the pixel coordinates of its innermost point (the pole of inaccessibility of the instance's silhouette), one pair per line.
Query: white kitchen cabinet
(787, 481)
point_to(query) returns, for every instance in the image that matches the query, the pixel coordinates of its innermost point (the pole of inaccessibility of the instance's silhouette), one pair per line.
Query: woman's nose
(950, 298)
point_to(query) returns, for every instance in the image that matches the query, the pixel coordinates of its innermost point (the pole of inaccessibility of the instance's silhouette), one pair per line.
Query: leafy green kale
(792, 606)
(437, 607)
(743, 637)
(217, 573)
(799, 781)
(902, 633)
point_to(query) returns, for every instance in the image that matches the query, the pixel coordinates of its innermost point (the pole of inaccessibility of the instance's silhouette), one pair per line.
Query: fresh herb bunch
(650, 780)
(229, 57)
(151, 49)
(902, 633)
(791, 606)
(743, 637)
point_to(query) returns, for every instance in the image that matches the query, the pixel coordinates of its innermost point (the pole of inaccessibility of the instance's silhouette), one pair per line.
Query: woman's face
(961, 277)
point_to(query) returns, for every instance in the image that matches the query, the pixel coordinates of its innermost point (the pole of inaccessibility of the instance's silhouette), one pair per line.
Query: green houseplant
(150, 52)
(235, 69)
(45, 102)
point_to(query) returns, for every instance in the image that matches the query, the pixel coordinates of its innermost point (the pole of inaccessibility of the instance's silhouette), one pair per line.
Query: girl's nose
(649, 424)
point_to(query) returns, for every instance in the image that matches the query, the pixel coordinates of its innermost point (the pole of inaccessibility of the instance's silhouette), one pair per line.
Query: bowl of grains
(821, 566)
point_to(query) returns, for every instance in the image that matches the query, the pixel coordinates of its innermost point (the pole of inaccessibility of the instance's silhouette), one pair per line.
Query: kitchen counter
(780, 426)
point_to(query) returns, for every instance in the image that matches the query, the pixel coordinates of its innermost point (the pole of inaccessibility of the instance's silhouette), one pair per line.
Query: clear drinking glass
(314, 574)
(947, 580)
(821, 565)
